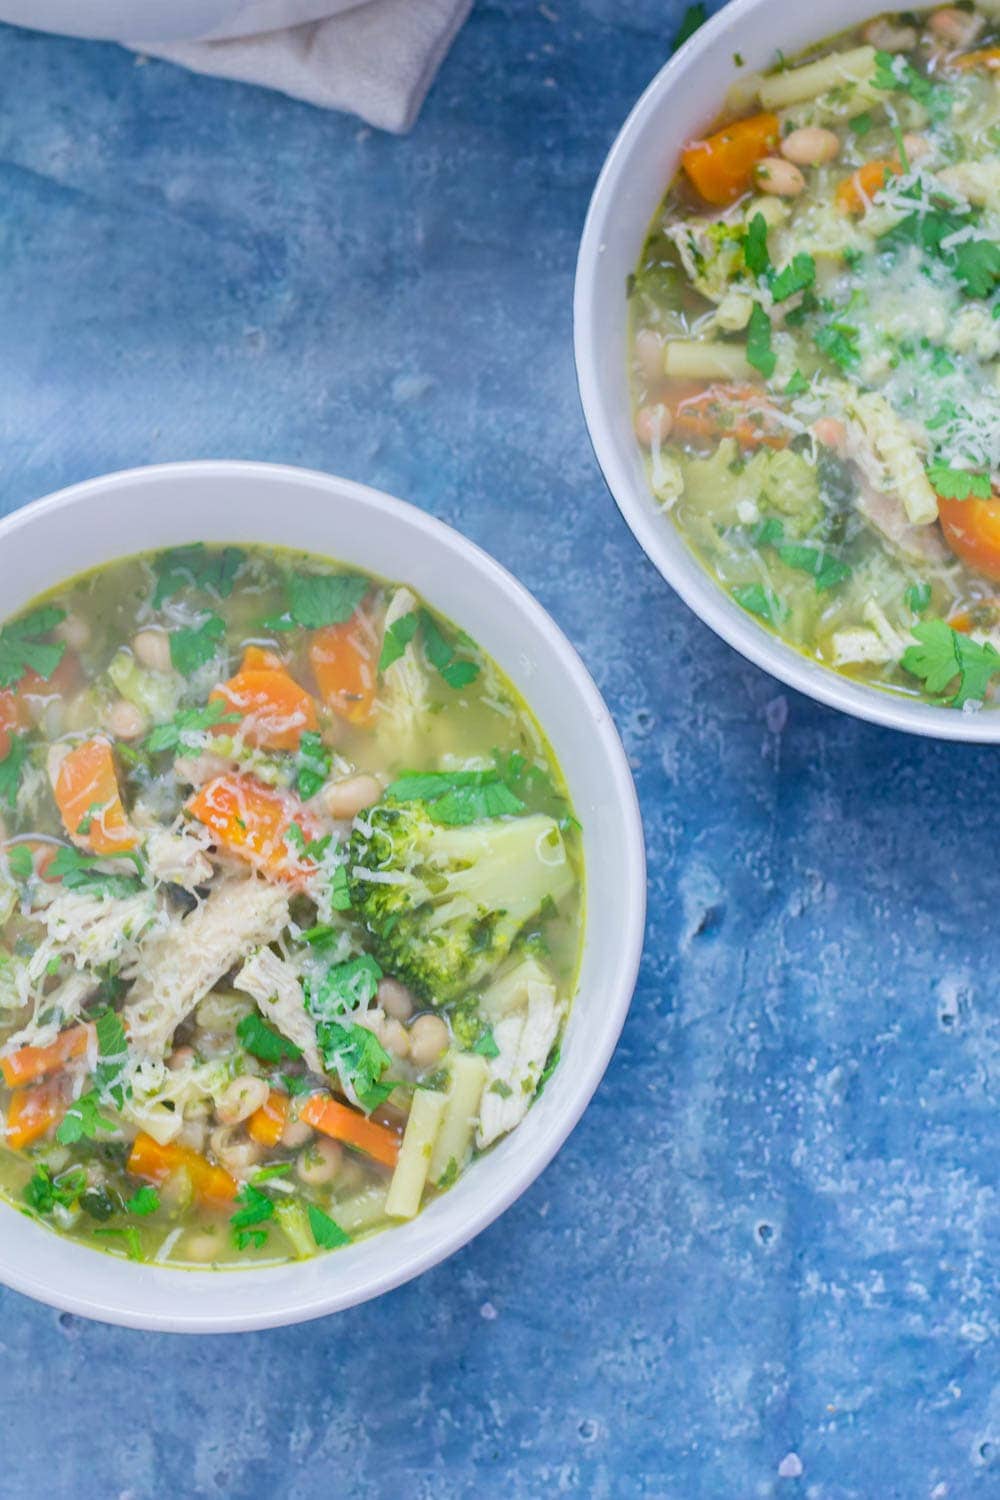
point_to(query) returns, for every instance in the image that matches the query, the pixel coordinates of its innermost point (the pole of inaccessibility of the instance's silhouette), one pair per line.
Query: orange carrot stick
(721, 166)
(742, 412)
(257, 658)
(855, 193)
(31, 1063)
(156, 1163)
(266, 1126)
(345, 661)
(344, 1124)
(31, 1113)
(87, 795)
(985, 57)
(253, 821)
(275, 709)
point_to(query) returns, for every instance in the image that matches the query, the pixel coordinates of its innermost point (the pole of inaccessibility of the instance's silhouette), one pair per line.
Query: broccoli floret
(445, 904)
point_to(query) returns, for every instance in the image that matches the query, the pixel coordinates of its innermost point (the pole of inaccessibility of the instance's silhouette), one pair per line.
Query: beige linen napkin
(377, 60)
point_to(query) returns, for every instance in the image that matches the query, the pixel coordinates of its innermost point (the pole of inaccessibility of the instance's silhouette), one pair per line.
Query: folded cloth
(376, 60)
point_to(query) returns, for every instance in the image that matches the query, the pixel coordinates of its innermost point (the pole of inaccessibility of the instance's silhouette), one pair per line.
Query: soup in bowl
(813, 355)
(291, 892)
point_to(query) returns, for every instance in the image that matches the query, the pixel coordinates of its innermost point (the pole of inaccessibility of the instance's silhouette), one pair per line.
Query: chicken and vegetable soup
(290, 906)
(815, 337)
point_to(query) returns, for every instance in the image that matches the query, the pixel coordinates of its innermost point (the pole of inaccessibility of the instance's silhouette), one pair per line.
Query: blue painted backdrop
(766, 1262)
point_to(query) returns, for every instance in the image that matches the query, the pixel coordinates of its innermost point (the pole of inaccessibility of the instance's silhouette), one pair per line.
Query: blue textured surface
(771, 1244)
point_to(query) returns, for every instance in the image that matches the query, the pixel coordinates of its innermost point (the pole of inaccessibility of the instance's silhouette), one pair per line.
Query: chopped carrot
(855, 193)
(31, 1113)
(267, 1124)
(254, 821)
(721, 166)
(14, 716)
(15, 710)
(276, 711)
(972, 530)
(345, 661)
(156, 1163)
(340, 1122)
(712, 412)
(86, 792)
(984, 57)
(257, 658)
(31, 1063)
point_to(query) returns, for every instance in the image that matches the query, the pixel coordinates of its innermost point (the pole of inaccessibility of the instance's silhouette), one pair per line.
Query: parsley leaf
(257, 1208)
(112, 1055)
(192, 646)
(694, 17)
(264, 1041)
(943, 655)
(958, 484)
(397, 637)
(19, 862)
(81, 872)
(486, 1045)
(319, 599)
(797, 385)
(190, 721)
(895, 74)
(457, 671)
(340, 890)
(861, 124)
(826, 570)
(83, 1120)
(146, 1201)
(314, 761)
(759, 351)
(11, 768)
(755, 251)
(344, 987)
(198, 568)
(326, 1232)
(456, 798)
(360, 1059)
(44, 1192)
(839, 342)
(21, 650)
(795, 277)
(761, 602)
(918, 596)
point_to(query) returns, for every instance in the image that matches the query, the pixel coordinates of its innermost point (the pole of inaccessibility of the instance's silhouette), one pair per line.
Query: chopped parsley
(190, 721)
(264, 1041)
(958, 484)
(195, 567)
(799, 274)
(143, 1203)
(84, 1120)
(357, 1055)
(895, 74)
(797, 385)
(918, 596)
(256, 1208)
(19, 862)
(326, 1232)
(457, 671)
(44, 1192)
(943, 656)
(345, 987)
(397, 637)
(486, 1045)
(456, 798)
(759, 351)
(755, 251)
(315, 600)
(839, 342)
(82, 872)
(192, 646)
(11, 769)
(22, 649)
(314, 761)
(761, 602)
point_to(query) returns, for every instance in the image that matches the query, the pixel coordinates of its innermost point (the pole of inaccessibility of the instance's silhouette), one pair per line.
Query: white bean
(428, 1040)
(394, 1037)
(810, 146)
(319, 1163)
(236, 1155)
(152, 650)
(395, 999)
(345, 799)
(780, 177)
(295, 1134)
(881, 33)
(75, 631)
(956, 28)
(202, 1245)
(652, 424)
(241, 1099)
(125, 721)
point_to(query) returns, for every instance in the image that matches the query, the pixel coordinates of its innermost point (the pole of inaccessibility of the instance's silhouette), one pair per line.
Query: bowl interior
(107, 518)
(684, 98)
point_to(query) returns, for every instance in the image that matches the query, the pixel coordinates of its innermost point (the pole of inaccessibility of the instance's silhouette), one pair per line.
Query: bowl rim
(621, 794)
(656, 535)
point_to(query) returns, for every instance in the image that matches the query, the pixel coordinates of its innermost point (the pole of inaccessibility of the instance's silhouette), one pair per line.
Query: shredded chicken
(525, 1038)
(179, 858)
(181, 964)
(275, 986)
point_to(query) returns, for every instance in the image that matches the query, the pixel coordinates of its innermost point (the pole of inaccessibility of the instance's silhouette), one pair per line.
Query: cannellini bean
(193, 1135)
(235, 1153)
(179, 1058)
(649, 354)
(125, 721)
(295, 1134)
(956, 28)
(916, 147)
(888, 37)
(831, 433)
(652, 424)
(394, 1037)
(202, 1245)
(780, 177)
(428, 1040)
(241, 1099)
(810, 146)
(395, 999)
(75, 631)
(345, 799)
(152, 650)
(319, 1163)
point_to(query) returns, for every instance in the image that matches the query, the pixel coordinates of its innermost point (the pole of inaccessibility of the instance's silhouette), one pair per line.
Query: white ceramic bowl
(684, 98)
(165, 20)
(143, 509)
